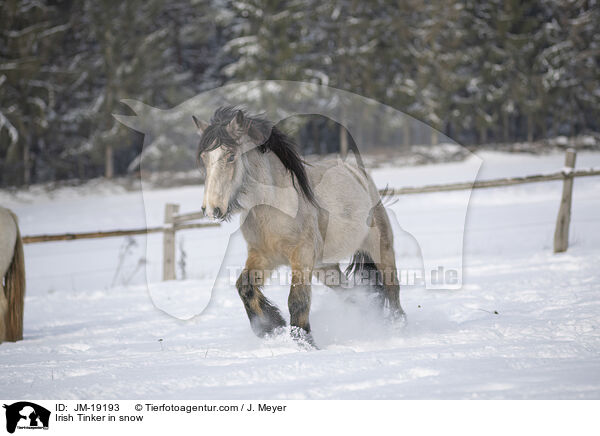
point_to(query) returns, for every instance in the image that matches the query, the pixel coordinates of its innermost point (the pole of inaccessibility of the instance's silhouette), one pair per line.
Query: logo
(26, 415)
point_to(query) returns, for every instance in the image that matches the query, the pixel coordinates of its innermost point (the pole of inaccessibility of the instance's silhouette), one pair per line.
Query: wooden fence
(567, 175)
(174, 221)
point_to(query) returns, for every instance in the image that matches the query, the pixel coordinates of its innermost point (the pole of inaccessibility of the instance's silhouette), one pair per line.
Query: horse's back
(342, 173)
(346, 196)
(8, 238)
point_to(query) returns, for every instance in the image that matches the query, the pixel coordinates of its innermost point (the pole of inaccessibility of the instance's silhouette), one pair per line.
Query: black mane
(216, 135)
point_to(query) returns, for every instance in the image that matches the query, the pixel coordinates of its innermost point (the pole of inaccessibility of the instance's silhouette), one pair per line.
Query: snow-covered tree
(28, 33)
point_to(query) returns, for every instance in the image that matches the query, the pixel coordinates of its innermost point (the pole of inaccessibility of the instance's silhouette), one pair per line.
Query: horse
(12, 273)
(254, 169)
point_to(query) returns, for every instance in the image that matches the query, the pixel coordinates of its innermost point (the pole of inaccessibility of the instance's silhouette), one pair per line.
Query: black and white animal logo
(26, 415)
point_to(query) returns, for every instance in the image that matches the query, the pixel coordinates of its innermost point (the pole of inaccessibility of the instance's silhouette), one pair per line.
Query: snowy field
(525, 324)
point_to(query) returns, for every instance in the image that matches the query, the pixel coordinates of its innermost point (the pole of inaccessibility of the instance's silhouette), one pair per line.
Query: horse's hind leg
(380, 245)
(391, 284)
(263, 315)
(386, 263)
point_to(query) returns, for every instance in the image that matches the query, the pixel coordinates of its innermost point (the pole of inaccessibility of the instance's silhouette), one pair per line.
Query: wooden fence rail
(110, 234)
(174, 221)
(495, 183)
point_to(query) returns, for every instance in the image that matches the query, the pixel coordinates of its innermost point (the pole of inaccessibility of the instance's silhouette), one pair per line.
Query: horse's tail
(15, 291)
(363, 270)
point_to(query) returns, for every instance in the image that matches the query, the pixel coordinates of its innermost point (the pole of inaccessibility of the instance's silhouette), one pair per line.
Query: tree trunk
(319, 149)
(343, 141)
(434, 137)
(25, 124)
(505, 126)
(26, 174)
(108, 102)
(406, 132)
(109, 169)
(483, 135)
(544, 126)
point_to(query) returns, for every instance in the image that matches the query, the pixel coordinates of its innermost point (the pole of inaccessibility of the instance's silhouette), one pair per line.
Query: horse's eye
(231, 157)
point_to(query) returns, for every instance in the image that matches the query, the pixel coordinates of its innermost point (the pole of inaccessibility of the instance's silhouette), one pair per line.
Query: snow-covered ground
(525, 324)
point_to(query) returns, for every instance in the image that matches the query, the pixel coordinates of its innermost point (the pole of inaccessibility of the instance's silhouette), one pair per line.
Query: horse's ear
(236, 125)
(200, 125)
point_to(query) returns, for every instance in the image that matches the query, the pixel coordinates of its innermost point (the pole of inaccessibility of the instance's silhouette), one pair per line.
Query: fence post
(561, 234)
(169, 241)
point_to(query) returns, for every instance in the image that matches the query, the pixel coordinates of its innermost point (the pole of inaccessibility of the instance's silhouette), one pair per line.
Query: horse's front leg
(263, 315)
(299, 301)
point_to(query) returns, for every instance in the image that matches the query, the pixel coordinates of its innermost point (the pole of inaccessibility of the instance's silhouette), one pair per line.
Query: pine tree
(28, 33)
(134, 58)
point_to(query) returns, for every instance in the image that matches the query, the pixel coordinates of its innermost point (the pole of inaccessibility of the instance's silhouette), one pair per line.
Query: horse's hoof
(303, 338)
(397, 319)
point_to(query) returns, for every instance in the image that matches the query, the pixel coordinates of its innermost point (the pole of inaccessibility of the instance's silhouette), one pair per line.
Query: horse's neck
(268, 182)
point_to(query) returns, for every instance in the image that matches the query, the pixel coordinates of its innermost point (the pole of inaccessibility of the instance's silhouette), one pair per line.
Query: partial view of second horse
(12, 278)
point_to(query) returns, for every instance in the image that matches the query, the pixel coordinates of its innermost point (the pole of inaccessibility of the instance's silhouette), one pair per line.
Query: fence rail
(174, 221)
(109, 234)
(495, 183)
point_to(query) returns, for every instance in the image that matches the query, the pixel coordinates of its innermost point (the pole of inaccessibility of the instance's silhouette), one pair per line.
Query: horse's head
(223, 141)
